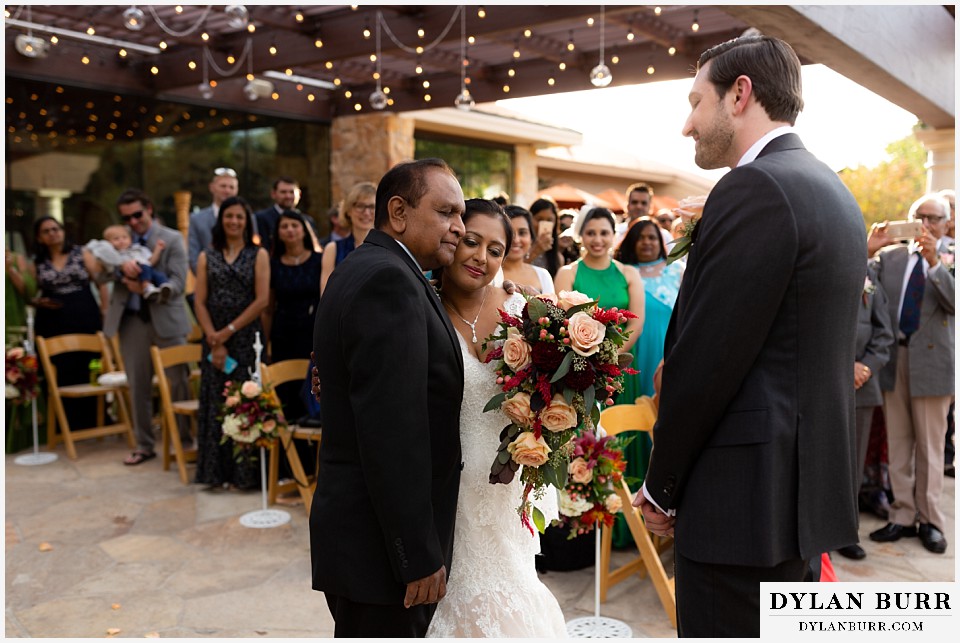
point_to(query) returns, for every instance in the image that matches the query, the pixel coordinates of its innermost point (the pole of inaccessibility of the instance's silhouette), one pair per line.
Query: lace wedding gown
(493, 590)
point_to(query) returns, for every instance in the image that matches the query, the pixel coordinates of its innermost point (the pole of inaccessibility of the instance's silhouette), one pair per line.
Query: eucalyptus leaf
(564, 367)
(580, 307)
(589, 397)
(503, 456)
(537, 308)
(495, 402)
(538, 520)
(568, 394)
(513, 431)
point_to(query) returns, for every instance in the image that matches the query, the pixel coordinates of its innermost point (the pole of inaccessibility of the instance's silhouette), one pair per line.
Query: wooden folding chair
(48, 348)
(616, 419)
(275, 374)
(164, 358)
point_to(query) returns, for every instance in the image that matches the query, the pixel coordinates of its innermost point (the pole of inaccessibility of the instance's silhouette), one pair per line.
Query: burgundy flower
(547, 356)
(580, 380)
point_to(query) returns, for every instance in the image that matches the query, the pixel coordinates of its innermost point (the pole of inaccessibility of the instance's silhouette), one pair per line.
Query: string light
(273, 49)
(516, 48)
(527, 33)
(318, 43)
(551, 82)
(178, 9)
(511, 72)
(85, 59)
(421, 33)
(590, 21)
(657, 11)
(696, 20)
(672, 50)
(298, 17)
(471, 40)
(133, 18)
(570, 45)
(162, 44)
(205, 36)
(506, 89)
(231, 59)
(600, 75)
(122, 53)
(651, 70)
(54, 40)
(481, 12)
(192, 65)
(91, 31)
(251, 28)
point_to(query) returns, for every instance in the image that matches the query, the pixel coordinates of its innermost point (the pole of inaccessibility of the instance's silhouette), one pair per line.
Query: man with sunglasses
(223, 185)
(141, 323)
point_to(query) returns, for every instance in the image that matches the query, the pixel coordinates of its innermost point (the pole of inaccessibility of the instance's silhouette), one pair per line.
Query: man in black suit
(754, 449)
(286, 195)
(391, 386)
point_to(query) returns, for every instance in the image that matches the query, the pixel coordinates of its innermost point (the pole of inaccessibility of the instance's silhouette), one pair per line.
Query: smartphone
(545, 227)
(904, 229)
(228, 364)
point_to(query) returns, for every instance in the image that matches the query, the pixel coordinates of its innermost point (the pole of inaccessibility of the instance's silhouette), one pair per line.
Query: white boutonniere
(690, 210)
(868, 289)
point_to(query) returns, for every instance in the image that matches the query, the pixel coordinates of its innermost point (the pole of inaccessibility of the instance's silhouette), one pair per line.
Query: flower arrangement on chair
(590, 497)
(23, 378)
(250, 417)
(558, 362)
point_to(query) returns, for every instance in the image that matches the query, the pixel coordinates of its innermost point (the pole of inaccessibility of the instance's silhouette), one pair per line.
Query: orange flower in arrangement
(23, 378)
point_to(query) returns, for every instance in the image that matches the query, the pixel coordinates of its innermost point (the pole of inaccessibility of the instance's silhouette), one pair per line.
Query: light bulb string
(245, 56)
(179, 34)
(436, 41)
(379, 20)
(29, 19)
(463, 50)
(602, 24)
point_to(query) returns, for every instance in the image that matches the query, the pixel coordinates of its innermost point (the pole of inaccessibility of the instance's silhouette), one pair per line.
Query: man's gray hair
(934, 197)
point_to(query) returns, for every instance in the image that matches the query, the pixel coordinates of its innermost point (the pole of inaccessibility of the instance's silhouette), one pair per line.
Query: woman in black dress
(233, 283)
(294, 295)
(66, 305)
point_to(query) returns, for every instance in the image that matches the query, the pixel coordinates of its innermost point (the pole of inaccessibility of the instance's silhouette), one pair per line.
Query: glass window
(484, 170)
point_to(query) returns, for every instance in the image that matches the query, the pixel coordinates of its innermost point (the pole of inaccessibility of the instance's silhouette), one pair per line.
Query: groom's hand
(427, 590)
(657, 522)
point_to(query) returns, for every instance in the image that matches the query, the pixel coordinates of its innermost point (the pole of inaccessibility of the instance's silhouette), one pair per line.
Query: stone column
(526, 184)
(365, 146)
(941, 158)
(49, 202)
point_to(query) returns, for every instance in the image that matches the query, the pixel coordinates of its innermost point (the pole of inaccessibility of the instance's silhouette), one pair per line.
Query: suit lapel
(378, 238)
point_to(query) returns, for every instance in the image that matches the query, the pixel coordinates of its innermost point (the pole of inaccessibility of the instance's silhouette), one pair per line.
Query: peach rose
(571, 298)
(516, 350)
(690, 208)
(15, 353)
(528, 450)
(613, 503)
(586, 334)
(558, 415)
(250, 389)
(269, 425)
(517, 408)
(232, 401)
(580, 472)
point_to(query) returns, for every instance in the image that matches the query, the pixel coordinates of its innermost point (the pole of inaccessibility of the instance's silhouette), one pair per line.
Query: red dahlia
(580, 380)
(546, 356)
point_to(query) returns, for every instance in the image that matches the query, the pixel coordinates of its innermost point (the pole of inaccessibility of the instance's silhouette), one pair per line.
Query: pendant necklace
(473, 324)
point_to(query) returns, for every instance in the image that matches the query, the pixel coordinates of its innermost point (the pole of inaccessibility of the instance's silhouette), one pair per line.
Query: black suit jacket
(754, 446)
(391, 377)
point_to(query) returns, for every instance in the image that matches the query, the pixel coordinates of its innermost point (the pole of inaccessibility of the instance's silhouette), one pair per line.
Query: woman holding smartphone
(233, 288)
(545, 251)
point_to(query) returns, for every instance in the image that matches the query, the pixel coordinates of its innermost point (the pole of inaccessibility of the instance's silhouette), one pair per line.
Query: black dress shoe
(892, 532)
(853, 552)
(932, 538)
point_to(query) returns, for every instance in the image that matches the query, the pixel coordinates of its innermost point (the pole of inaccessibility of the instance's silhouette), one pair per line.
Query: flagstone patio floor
(95, 548)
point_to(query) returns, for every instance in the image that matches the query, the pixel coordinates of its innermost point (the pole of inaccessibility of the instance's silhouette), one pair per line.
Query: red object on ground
(827, 575)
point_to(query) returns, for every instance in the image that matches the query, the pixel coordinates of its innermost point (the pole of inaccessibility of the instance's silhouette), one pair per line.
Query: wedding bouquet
(23, 379)
(250, 417)
(558, 362)
(590, 496)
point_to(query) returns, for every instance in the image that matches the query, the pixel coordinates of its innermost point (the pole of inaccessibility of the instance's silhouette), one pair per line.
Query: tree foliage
(886, 191)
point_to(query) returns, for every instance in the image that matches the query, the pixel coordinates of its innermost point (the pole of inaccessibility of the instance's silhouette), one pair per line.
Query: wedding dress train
(493, 590)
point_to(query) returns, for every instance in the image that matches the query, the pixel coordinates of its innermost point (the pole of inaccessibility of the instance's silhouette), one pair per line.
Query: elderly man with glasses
(918, 381)
(223, 186)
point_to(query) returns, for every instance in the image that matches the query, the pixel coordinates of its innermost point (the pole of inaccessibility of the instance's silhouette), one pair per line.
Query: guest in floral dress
(66, 305)
(233, 288)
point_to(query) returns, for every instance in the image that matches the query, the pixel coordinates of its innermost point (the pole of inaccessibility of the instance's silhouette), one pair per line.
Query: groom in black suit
(753, 462)
(391, 386)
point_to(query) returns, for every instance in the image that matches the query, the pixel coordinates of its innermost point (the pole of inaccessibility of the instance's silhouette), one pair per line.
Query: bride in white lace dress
(493, 590)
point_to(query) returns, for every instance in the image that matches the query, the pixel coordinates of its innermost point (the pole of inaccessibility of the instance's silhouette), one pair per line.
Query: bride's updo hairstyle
(482, 207)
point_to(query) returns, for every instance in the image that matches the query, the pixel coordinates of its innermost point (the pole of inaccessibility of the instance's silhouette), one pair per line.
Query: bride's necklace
(473, 324)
